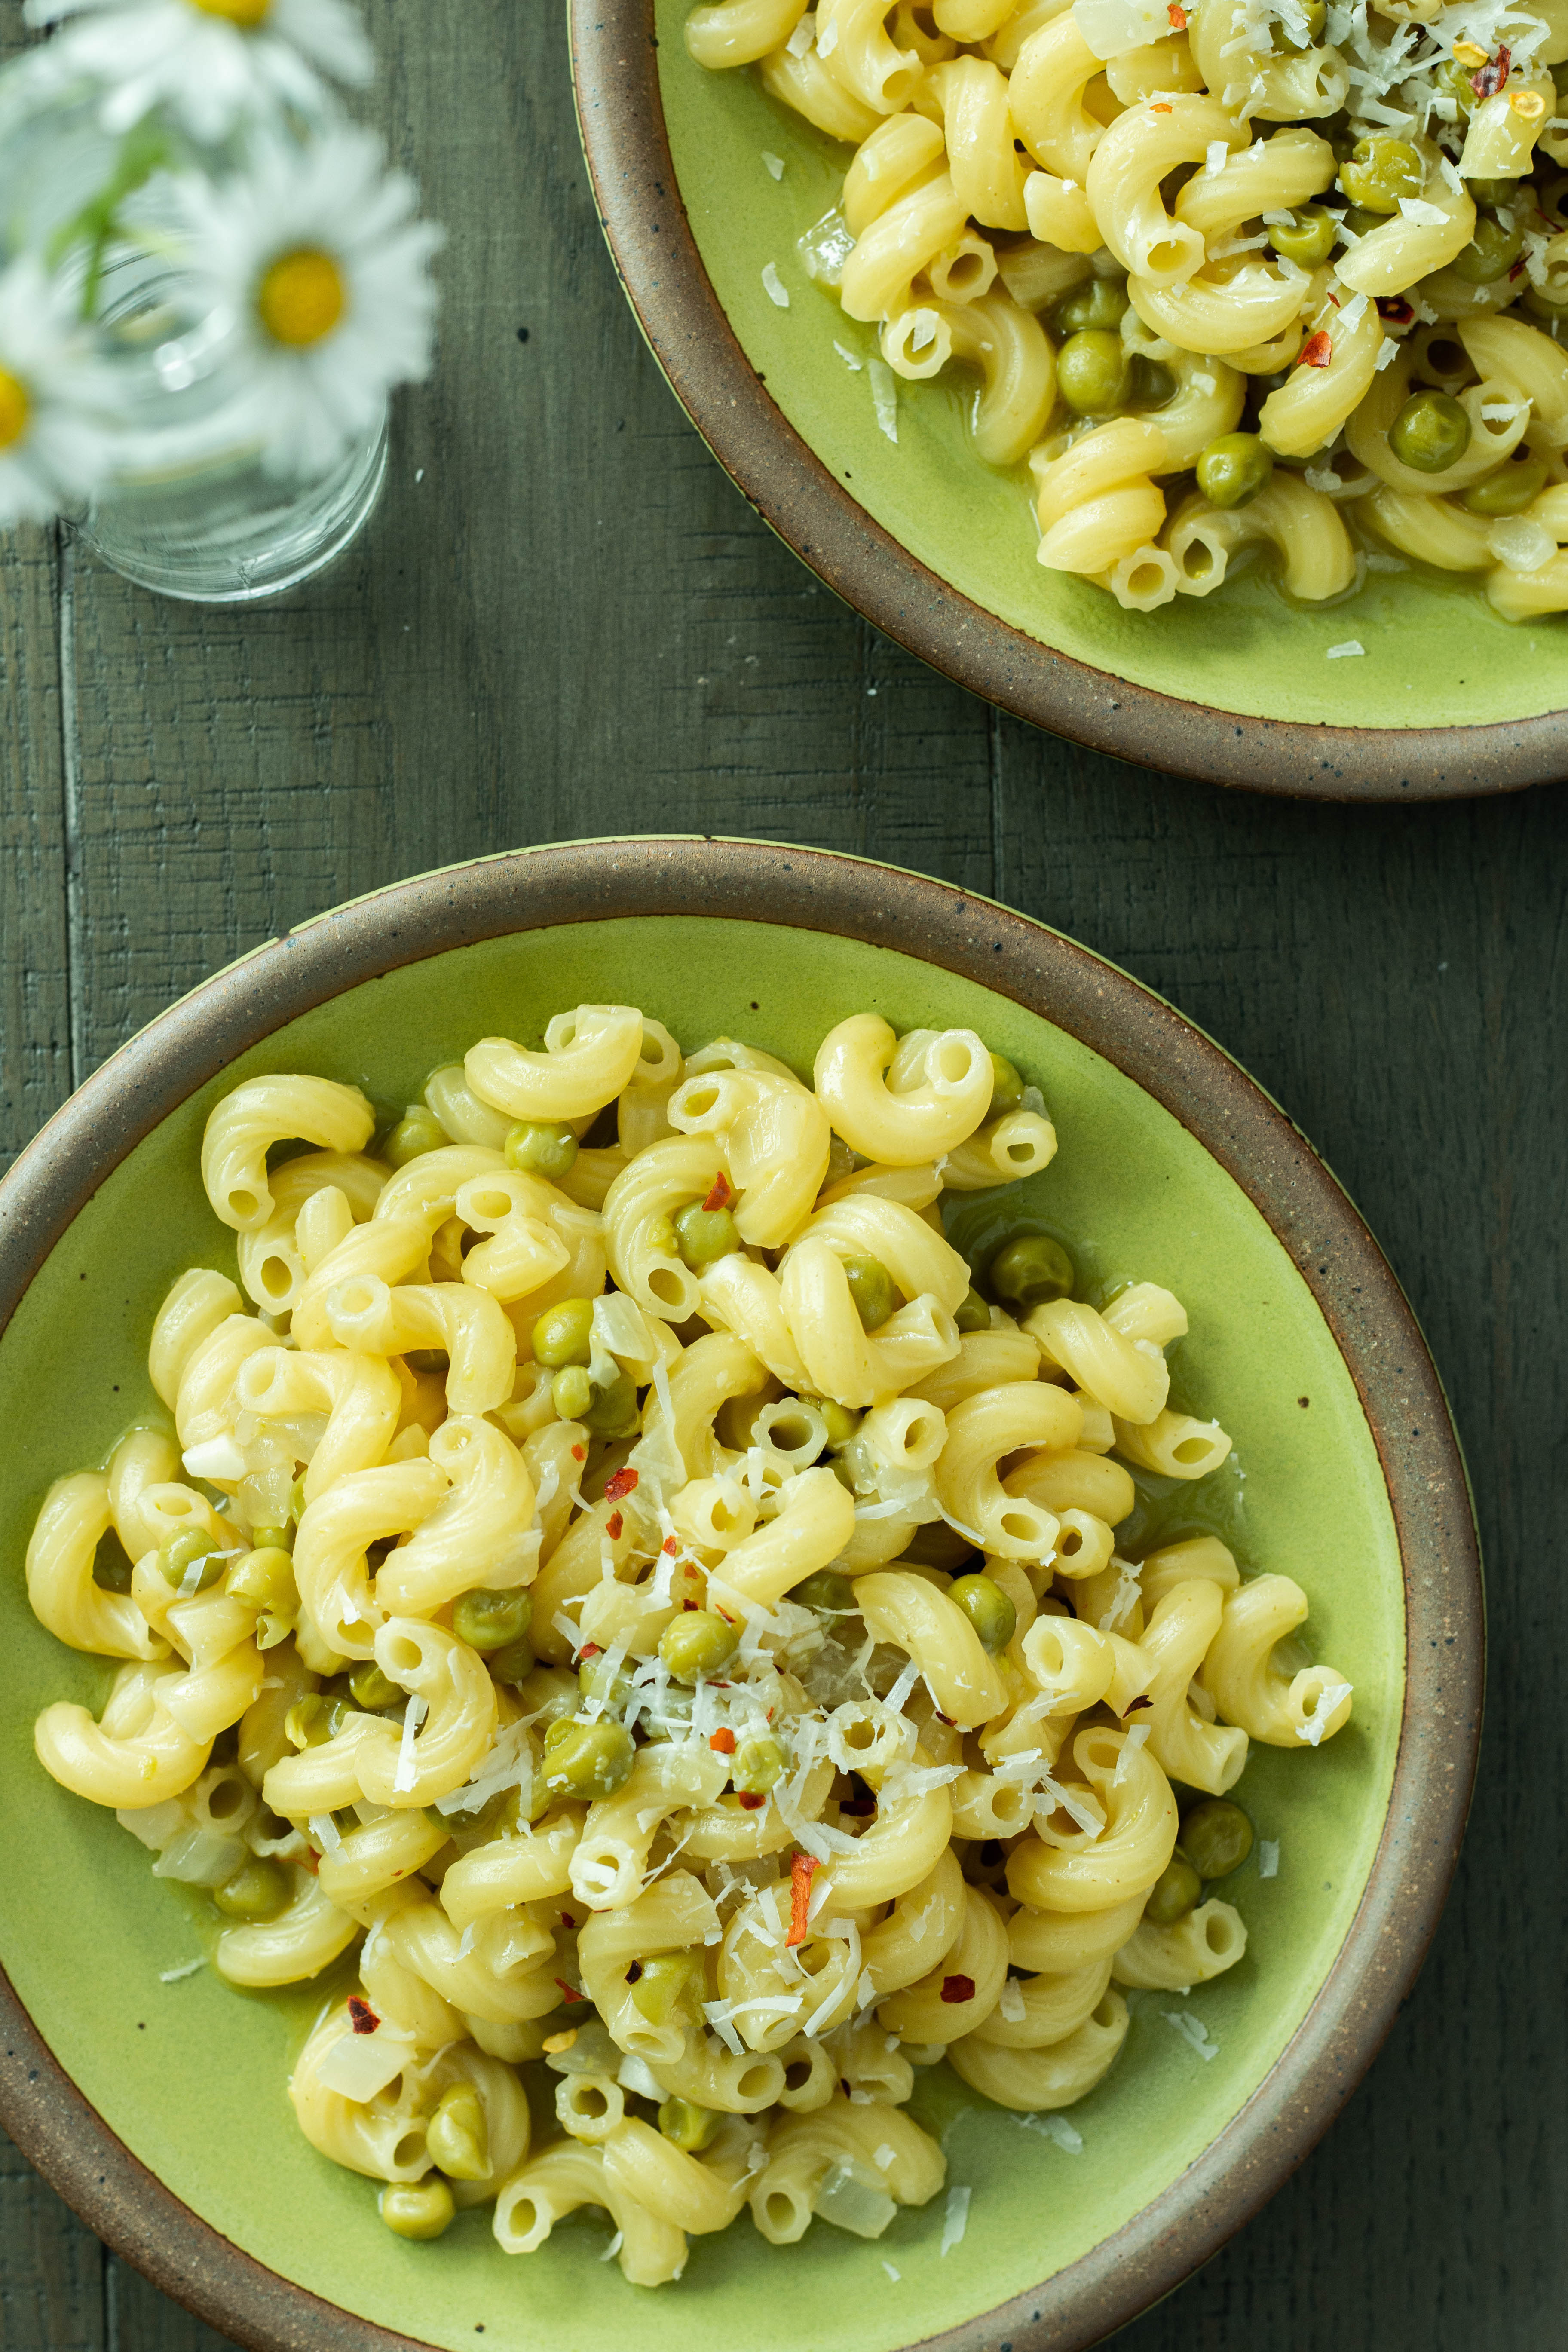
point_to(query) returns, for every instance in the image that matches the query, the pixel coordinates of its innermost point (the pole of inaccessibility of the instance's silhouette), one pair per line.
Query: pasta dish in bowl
(1214, 350)
(684, 1615)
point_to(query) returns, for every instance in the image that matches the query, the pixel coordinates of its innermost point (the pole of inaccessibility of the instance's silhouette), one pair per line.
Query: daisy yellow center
(250, 13)
(303, 298)
(14, 410)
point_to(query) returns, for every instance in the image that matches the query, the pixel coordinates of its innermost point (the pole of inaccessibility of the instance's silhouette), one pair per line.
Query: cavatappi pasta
(1244, 277)
(615, 1590)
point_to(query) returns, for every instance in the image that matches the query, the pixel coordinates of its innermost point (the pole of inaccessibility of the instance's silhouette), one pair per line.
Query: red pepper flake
(803, 1869)
(1517, 271)
(633, 1974)
(619, 1483)
(957, 1989)
(579, 1453)
(1177, 17)
(362, 2017)
(569, 1992)
(722, 1195)
(591, 1650)
(670, 1545)
(1318, 351)
(1134, 1704)
(1395, 309)
(567, 1920)
(751, 1803)
(723, 1742)
(1493, 76)
(612, 1527)
(1333, 298)
(1159, 107)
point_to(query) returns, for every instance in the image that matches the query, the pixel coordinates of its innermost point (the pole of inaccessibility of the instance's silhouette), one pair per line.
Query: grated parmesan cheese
(413, 1714)
(1192, 2031)
(955, 2220)
(773, 166)
(894, 2274)
(1268, 1857)
(1011, 2004)
(1057, 2129)
(1346, 652)
(177, 1976)
(800, 41)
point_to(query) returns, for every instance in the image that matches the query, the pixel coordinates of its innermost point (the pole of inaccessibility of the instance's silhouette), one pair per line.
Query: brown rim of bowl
(64, 2136)
(620, 116)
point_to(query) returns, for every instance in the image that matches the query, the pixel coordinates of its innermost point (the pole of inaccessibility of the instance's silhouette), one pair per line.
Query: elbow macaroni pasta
(1273, 240)
(541, 1603)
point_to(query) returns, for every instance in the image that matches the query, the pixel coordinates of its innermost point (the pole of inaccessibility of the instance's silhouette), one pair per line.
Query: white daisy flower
(209, 61)
(56, 447)
(314, 254)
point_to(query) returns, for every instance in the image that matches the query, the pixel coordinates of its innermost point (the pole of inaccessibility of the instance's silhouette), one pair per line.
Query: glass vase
(191, 511)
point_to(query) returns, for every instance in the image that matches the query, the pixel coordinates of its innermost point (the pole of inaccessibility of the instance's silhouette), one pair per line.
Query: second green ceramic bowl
(153, 2094)
(1445, 699)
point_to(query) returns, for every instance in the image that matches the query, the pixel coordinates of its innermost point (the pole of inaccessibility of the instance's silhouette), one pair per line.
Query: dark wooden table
(564, 622)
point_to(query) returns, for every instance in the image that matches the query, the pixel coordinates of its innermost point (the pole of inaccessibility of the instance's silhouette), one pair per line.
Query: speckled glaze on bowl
(158, 2107)
(1446, 701)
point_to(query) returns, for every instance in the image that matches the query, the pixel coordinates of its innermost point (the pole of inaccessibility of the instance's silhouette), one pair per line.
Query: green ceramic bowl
(155, 2098)
(939, 550)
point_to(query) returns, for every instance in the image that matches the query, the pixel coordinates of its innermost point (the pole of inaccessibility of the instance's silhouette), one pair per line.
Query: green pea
(1031, 1269)
(1492, 252)
(610, 1685)
(1216, 1838)
(458, 2136)
(1493, 193)
(1006, 1087)
(1317, 14)
(492, 1621)
(313, 1720)
(837, 1418)
(427, 1360)
(416, 2209)
(1234, 468)
(827, 1592)
(1430, 433)
(266, 1578)
(499, 1816)
(671, 1983)
(1173, 1893)
(550, 1694)
(1092, 373)
(698, 1641)
(372, 1690)
(541, 1148)
(988, 1610)
(1517, 484)
(416, 1132)
(612, 1411)
(1361, 223)
(1454, 81)
(871, 1288)
(513, 1665)
(587, 1760)
(259, 1890)
(572, 1391)
(758, 1765)
(1307, 237)
(688, 2127)
(973, 1314)
(182, 1553)
(563, 1334)
(271, 1539)
(1381, 172)
(703, 1235)
(1098, 307)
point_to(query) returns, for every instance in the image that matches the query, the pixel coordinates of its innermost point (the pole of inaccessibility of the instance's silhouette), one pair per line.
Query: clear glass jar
(191, 511)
